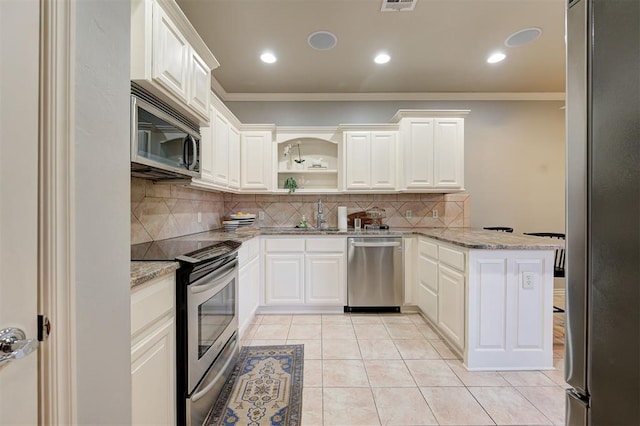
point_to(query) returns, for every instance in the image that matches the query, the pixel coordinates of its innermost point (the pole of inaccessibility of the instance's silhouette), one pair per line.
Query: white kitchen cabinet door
(325, 279)
(248, 293)
(358, 160)
(370, 160)
(234, 158)
(448, 168)
(417, 141)
(284, 278)
(256, 160)
(451, 306)
(220, 149)
(207, 149)
(153, 347)
(153, 377)
(383, 160)
(428, 287)
(170, 61)
(199, 84)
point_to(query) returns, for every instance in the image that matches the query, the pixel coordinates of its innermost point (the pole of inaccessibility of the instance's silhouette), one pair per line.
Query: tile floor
(393, 369)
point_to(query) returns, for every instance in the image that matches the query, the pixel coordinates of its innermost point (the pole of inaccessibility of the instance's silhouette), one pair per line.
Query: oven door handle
(226, 270)
(196, 396)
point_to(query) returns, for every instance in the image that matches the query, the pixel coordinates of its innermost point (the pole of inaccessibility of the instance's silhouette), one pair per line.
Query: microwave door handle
(191, 164)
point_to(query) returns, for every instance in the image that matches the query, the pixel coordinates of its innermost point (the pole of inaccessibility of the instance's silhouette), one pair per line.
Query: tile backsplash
(160, 211)
(287, 210)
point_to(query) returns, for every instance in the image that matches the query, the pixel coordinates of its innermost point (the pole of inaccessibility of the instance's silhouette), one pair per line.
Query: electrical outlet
(434, 213)
(528, 280)
(199, 217)
(260, 215)
(408, 214)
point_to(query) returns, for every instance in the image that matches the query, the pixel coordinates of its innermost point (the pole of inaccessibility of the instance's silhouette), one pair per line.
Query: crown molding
(417, 96)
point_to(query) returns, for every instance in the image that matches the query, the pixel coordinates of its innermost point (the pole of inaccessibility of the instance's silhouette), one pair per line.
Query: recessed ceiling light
(322, 40)
(382, 58)
(496, 57)
(522, 37)
(268, 57)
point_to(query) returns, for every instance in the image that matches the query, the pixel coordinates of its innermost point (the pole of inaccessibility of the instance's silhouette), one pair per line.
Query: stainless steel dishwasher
(374, 274)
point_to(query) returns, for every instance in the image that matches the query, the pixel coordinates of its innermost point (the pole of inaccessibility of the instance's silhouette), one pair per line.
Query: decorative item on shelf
(317, 164)
(291, 184)
(287, 150)
(300, 160)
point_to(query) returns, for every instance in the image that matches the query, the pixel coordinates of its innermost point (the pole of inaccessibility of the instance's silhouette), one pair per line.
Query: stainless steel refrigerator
(603, 212)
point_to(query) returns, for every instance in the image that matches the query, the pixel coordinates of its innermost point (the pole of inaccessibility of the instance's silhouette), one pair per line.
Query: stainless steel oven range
(206, 319)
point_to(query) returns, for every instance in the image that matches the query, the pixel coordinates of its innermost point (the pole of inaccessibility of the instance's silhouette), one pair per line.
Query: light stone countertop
(144, 271)
(471, 238)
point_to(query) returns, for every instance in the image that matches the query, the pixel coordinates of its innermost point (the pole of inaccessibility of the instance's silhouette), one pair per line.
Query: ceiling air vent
(398, 5)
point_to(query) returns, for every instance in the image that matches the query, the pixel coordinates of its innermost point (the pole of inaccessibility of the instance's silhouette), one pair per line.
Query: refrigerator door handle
(577, 409)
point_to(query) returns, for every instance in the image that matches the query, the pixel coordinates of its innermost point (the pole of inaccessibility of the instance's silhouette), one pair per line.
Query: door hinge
(44, 328)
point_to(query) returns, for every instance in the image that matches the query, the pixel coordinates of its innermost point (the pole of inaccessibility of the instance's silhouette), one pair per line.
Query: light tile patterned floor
(393, 369)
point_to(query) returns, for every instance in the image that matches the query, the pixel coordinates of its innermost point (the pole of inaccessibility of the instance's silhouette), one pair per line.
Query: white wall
(102, 228)
(514, 151)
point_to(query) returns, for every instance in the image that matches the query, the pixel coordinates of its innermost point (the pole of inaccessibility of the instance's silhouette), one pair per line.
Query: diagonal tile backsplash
(160, 211)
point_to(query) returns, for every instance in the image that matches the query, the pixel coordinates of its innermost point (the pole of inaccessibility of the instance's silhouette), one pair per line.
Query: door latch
(44, 328)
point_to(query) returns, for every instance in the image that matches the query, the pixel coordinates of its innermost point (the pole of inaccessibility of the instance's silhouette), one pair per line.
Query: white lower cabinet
(284, 276)
(441, 288)
(305, 271)
(494, 307)
(324, 279)
(248, 283)
(153, 381)
(428, 286)
(451, 293)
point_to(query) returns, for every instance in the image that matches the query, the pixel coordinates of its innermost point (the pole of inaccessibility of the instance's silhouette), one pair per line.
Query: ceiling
(440, 47)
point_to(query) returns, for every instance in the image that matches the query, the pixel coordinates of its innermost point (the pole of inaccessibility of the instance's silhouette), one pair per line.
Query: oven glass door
(214, 316)
(211, 319)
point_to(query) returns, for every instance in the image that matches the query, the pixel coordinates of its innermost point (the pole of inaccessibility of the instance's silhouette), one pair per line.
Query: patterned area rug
(265, 388)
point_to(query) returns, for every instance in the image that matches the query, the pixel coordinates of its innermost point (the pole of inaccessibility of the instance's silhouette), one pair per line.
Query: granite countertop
(471, 238)
(144, 271)
(475, 238)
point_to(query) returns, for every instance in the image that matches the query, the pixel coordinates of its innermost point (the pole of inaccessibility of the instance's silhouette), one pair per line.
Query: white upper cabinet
(169, 59)
(432, 150)
(220, 145)
(220, 149)
(256, 160)
(370, 160)
(234, 158)
(448, 165)
(200, 84)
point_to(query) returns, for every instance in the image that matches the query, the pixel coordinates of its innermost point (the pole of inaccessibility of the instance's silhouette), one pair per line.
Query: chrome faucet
(321, 222)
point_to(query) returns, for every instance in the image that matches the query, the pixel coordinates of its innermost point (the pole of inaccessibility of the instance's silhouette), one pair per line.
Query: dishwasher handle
(379, 244)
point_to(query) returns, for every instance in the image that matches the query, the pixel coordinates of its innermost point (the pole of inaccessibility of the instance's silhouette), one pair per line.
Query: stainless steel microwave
(164, 145)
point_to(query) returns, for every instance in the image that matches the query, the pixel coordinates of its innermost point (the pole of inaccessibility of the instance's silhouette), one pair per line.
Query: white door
(283, 279)
(19, 91)
(451, 304)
